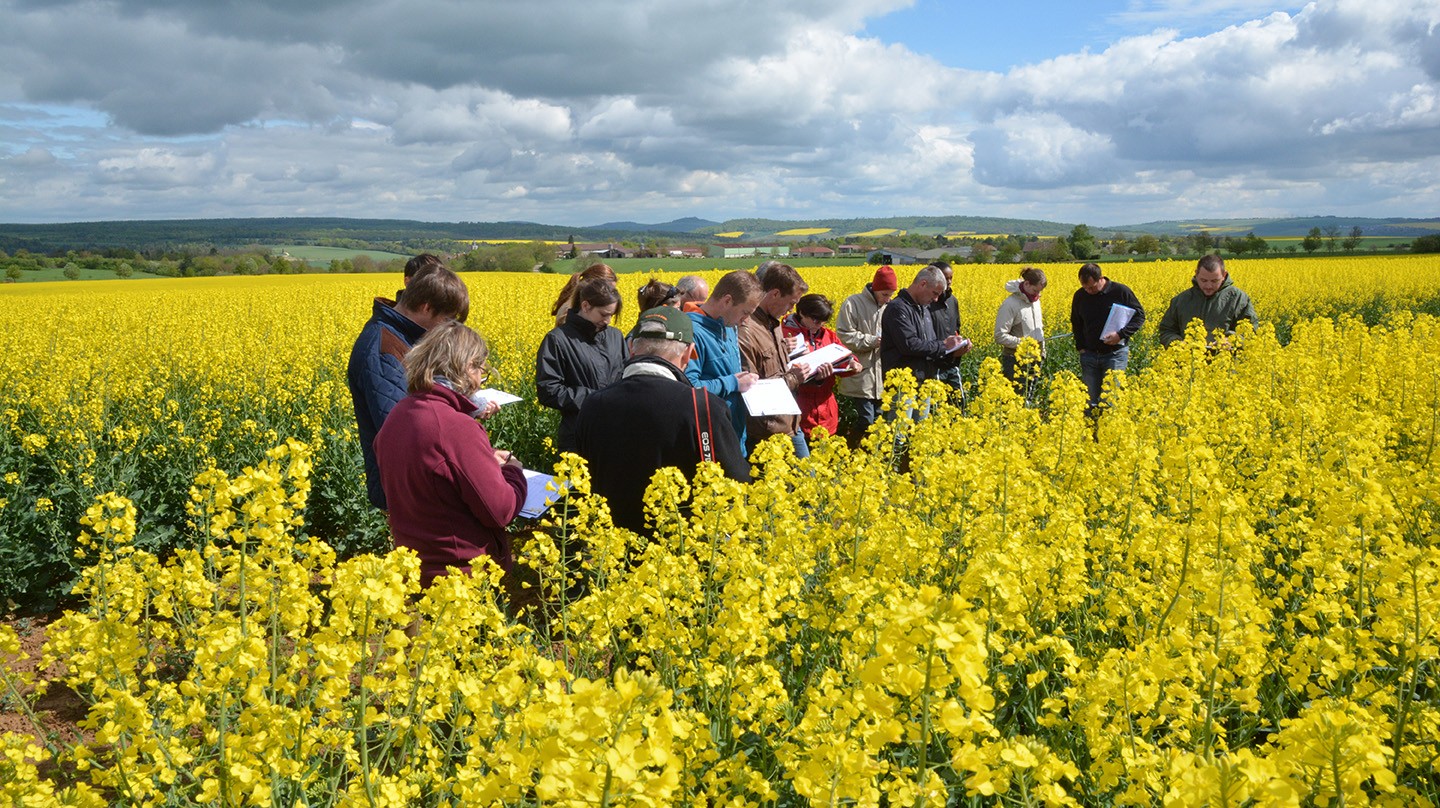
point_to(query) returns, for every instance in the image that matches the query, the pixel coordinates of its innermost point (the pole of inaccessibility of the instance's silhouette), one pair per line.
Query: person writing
(816, 395)
(451, 493)
(716, 366)
(765, 351)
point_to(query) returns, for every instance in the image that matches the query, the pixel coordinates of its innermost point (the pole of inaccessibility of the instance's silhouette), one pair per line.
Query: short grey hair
(668, 349)
(932, 276)
(690, 284)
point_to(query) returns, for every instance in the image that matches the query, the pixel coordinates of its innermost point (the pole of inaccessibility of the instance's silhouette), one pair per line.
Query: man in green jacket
(1212, 299)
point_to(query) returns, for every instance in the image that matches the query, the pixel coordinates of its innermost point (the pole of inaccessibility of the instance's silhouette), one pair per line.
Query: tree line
(208, 262)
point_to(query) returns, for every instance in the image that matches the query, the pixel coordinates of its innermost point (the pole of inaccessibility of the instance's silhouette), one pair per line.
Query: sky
(578, 112)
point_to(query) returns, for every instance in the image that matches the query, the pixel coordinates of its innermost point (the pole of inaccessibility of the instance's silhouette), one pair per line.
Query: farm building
(815, 252)
(747, 250)
(900, 255)
(598, 250)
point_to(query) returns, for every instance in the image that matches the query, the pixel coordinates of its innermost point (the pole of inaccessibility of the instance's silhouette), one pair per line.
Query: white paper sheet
(828, 355)
(500, 397)
(770, 397)
(537, 499)
(1120, 316)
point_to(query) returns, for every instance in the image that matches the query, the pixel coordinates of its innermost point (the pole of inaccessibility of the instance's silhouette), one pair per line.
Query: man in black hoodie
(652, 418)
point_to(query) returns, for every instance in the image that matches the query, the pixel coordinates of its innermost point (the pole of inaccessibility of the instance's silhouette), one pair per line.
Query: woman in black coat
(580, 356)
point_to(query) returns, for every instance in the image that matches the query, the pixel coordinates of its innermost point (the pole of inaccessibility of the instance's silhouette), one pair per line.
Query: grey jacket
(858, 327)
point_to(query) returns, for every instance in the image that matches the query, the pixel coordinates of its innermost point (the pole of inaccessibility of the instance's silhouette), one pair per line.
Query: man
(717, 344)
(376, 375)
(945, 312)
(693, 290)
(908, 338)
(764, 269)
(1212, 299)
(653, 418)
(765, 351)
(418, 265)
(858, 326)
(1101, 350)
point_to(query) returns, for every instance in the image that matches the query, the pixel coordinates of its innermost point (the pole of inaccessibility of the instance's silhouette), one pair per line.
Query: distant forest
(198, 236)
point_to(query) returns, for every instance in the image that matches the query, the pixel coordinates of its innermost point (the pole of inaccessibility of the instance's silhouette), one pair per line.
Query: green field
(322, 256)
(58, 274)
(687, 265)
(1366, 242)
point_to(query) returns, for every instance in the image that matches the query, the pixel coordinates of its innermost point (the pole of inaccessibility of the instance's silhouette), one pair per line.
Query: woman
(657, 293)
(450, 492)
(580, 356)
(566, 301)
(816, 395)
(1020, 317)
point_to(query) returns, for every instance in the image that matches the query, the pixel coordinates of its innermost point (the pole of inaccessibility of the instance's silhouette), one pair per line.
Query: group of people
(1106, 314)
(671, 392)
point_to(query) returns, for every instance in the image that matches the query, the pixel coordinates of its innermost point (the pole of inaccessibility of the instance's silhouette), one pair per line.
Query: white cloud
(562, 110)
(1040, 150)
(157, 168)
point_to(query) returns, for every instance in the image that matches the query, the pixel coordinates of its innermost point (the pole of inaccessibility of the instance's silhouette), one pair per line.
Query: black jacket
(945, 314)
(908, 338)
(573, 362)
(1088, 314)
(646, 422)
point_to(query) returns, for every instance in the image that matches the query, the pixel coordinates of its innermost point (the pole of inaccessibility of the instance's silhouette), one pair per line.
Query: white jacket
(1017, 319)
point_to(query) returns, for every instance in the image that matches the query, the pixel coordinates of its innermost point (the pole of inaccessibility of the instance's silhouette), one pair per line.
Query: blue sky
(585, 111)
(997, 36)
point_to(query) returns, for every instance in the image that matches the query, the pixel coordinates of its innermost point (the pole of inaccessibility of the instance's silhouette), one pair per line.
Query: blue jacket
(718, 346)
(377, 380)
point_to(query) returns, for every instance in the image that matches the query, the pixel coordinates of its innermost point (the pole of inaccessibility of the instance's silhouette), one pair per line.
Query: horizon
(611, 224)
(1129, 111)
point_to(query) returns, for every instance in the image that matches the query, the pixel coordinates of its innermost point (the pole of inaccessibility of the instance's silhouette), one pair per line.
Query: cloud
(158, 168)
(1280, 91)
(562, 110)
(1040, 150)
(1177, 13)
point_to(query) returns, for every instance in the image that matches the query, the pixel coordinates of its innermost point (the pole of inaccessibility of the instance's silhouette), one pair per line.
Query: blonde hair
(450, 350)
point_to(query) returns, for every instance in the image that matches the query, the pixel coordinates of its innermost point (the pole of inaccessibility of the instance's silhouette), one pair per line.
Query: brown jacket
(762, 352)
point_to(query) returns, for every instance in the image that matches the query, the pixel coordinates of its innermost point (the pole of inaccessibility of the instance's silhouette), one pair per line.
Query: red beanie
(884, 280)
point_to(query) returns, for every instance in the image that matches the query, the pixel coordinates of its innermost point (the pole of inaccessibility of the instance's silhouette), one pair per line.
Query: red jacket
(449, 499)
(816, 397)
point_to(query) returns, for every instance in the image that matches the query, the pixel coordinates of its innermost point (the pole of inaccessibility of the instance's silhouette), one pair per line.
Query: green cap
(664, 322)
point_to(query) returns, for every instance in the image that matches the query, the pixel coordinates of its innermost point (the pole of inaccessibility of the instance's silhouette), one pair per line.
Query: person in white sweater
(1020, 317)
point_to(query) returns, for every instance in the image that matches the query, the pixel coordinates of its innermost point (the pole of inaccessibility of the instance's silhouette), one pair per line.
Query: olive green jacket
(1221, 311)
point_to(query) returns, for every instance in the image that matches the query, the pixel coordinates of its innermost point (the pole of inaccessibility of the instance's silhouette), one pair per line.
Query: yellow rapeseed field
(1225, 592)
